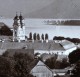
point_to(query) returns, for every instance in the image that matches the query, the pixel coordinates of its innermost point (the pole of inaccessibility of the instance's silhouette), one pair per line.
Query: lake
(39, 26)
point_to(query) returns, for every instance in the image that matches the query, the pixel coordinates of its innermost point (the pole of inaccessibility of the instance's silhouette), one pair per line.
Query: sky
(62, 9)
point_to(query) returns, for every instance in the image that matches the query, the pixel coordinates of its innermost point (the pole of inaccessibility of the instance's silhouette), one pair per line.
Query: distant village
(49, 58)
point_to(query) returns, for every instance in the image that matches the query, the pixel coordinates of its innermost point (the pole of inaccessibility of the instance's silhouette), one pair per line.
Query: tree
(38, 37)
(30, 36)
(57, 64)
(18, 65)
(76, 71)
(42, 36)
(46, 36)
(5, 30)
(22, 64)
(64, 63)
(5, 54)
(58, 38)
(51, 62)
(74, 56)
(34, 36)
(5, 67)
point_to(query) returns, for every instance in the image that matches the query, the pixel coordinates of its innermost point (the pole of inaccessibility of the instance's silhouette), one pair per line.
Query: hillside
(64, 9)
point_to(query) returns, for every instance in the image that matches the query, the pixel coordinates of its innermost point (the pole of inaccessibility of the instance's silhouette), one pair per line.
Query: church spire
(16, 17)
(21, 17)
(16, 14)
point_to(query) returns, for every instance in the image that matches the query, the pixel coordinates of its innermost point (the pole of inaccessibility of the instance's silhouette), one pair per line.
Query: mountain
(8, 8)
(64, 9)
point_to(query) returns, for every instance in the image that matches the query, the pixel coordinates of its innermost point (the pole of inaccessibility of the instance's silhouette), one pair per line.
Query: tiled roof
(31, 45)
(12, 45)
(45, 46)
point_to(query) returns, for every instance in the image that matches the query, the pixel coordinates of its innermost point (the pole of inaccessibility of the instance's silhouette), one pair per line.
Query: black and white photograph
(39, 38)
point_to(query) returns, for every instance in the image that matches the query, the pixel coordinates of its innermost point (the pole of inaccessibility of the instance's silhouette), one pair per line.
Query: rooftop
(67, 44)
(31, 45)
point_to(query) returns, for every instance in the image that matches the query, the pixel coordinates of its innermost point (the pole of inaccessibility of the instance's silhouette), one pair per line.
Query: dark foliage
(30, 36)
(16, 66)
(38, 37)
(71, 22)
(66, 22)
(74, 40)
(53, 63)
(64, 63)
(46, 36)
(76, 70)
(5, 67)
(4, 30)
(42, 36)
(58, 38)
(34, 36)
(74, 56)
(5, 54)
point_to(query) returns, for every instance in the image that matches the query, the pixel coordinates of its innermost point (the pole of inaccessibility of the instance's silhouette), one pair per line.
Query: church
(15, 40)
(18, 28)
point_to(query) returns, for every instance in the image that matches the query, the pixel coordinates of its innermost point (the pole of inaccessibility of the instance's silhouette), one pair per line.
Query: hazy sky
(41, 8)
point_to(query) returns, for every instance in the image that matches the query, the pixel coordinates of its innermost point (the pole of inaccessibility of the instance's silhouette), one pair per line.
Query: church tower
(18, 28)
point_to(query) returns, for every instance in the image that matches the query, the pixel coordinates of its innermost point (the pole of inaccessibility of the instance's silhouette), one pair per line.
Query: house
(41, 70)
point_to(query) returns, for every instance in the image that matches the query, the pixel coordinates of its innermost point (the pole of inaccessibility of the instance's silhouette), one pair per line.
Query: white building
(18, 28)
(46, 47)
